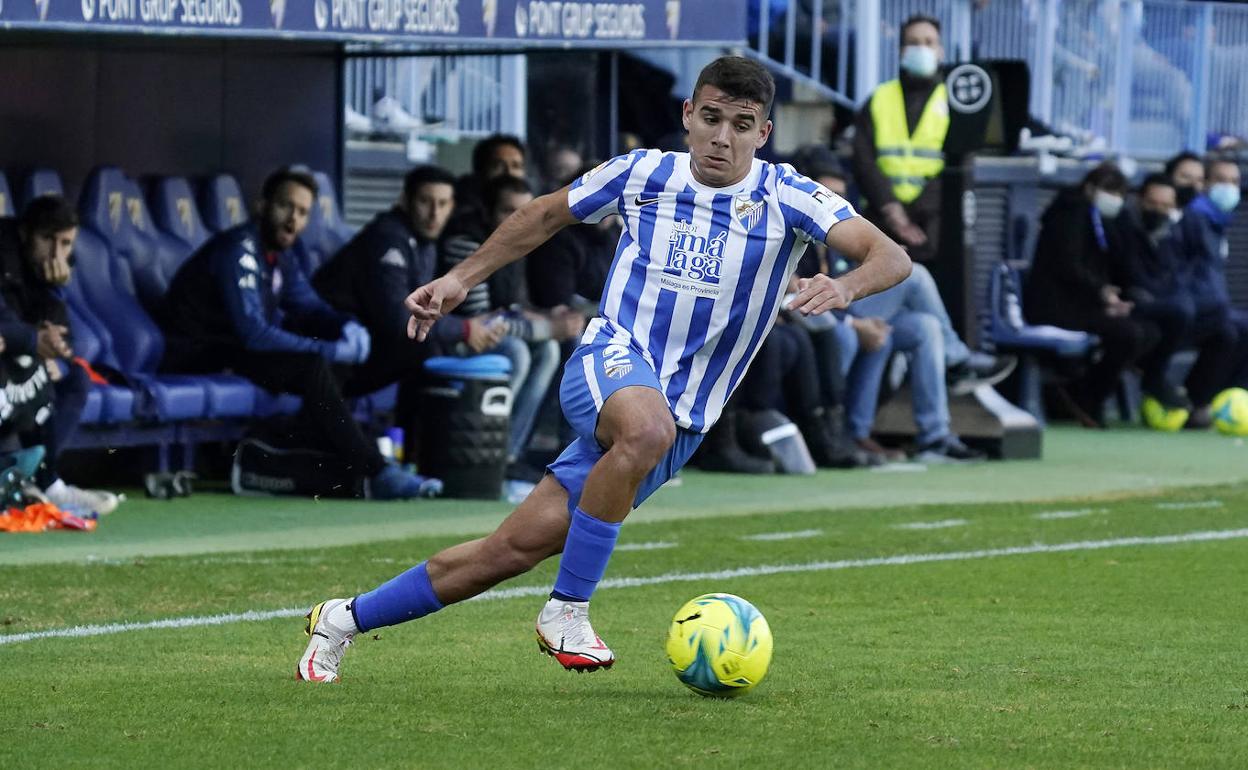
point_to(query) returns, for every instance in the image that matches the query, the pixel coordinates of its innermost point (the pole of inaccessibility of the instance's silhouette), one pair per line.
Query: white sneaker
(331, 628)
(69, 497)
(564, 633)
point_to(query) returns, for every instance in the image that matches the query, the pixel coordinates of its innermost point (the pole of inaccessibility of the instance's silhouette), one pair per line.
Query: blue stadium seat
(107, 286)
(1006, 331)
(174, 211)
(326, 231)
(6, 198)
(154, 256)
(41, 181)
(91, 341)
(221, 203)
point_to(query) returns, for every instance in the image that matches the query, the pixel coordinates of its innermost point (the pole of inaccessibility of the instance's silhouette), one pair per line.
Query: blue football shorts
(592, 375)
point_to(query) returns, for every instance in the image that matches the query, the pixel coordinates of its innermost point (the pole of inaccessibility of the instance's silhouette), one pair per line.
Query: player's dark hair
(1156, 180)
(499, 186)
(484, 151)
(739, 78)
(1182, 157)
(1107, 177)
(918, 18)
(423, 175)
(299, 176)
(48, 214)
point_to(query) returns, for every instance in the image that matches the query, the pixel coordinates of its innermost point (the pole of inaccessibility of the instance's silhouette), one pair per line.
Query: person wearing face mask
(1187, 172)
(36, 260)
(1203, 232)
(1075, 283)
(899, 138)
(1156, 285)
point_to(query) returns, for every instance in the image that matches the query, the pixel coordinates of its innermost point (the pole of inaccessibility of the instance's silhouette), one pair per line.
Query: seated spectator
(1155, 284)
(1187, 172)
(1203, 232)
(530, 339)
(903, 318)
(36, 259)
(1075, 283)
(560, 167)
(494, 156)
(242, 303)
(373, 273)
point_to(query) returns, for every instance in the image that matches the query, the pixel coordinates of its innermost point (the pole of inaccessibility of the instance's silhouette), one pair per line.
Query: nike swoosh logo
(640, 201)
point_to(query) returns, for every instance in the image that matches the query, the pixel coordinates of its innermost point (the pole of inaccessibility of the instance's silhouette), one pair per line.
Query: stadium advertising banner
(512, 22)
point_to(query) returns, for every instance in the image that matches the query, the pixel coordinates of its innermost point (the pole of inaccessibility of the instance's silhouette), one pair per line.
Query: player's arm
(882, 265)
(523, 231)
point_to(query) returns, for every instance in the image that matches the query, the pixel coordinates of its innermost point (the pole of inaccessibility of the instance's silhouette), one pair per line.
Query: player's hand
(430, 302)
(50, 341)
(819, 294)
(485, 333)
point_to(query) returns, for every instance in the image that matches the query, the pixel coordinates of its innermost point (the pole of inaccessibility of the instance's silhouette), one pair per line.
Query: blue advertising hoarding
(508, 23)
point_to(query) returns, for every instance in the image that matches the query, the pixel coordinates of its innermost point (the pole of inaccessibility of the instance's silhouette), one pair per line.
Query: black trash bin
(466, 409)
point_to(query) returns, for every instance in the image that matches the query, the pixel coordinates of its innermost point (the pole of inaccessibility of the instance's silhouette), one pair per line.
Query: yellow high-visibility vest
(909, 160)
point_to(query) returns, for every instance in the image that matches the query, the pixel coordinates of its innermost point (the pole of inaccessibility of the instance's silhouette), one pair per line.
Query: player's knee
(645, 440)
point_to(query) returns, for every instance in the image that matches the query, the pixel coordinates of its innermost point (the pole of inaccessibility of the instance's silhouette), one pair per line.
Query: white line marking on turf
(943, 524)
(1184, 506)
(1050, 515)
(798, 535)
(655, 546)
(674, 577)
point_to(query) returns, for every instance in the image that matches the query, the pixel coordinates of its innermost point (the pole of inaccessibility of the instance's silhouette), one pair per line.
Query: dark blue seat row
(129, 248)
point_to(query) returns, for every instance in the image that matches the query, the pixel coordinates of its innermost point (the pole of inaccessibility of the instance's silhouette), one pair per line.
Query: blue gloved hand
(358, 343)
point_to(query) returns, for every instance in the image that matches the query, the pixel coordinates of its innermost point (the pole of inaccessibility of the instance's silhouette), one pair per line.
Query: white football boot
(331, 628)
(564, 633)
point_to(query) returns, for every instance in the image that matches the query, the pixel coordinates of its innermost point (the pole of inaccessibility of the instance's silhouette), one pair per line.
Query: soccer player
(710, 239)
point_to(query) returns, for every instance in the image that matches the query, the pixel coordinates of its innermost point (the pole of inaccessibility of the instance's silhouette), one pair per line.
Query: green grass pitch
(1098, 628)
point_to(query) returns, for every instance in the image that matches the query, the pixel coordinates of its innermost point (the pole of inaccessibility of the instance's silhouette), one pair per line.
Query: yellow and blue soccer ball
(1158, 417)
(1230, 412)
(719, 645)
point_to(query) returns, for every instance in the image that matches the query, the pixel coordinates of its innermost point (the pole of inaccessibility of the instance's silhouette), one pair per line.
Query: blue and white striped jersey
(699, 273)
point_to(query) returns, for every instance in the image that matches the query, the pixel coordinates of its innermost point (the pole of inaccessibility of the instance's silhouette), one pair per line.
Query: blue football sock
(585, 556)
(405, 597)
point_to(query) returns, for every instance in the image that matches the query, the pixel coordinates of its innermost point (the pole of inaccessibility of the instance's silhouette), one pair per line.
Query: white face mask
(919, 60)
(1107, 203)
(1225, 196)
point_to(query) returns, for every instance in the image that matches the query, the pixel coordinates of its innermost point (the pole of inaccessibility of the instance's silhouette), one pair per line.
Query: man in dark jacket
(1156, 283)
(1075, 283)
(35, 262)
(388, 259)
(1203, 232)
(243, 303)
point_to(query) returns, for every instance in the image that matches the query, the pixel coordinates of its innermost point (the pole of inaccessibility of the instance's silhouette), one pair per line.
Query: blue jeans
(921, 338)
(533, 367)
(917, 294)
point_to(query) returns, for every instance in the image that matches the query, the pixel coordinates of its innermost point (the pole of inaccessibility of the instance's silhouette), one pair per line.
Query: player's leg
(535, 530)
(613, 401)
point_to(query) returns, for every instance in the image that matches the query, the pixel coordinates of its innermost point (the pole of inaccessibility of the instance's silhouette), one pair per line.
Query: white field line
(798, 535)
(1050, 515)
(657, 545)
(1185, 506)
(943, 524)
(672, 577)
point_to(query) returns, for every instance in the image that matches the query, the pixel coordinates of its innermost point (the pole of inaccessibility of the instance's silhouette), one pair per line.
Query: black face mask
(1185, 194)
(1154, 220)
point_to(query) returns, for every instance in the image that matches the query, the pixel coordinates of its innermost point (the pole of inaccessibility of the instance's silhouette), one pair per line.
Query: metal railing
(456, 96)
(1143, 77)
